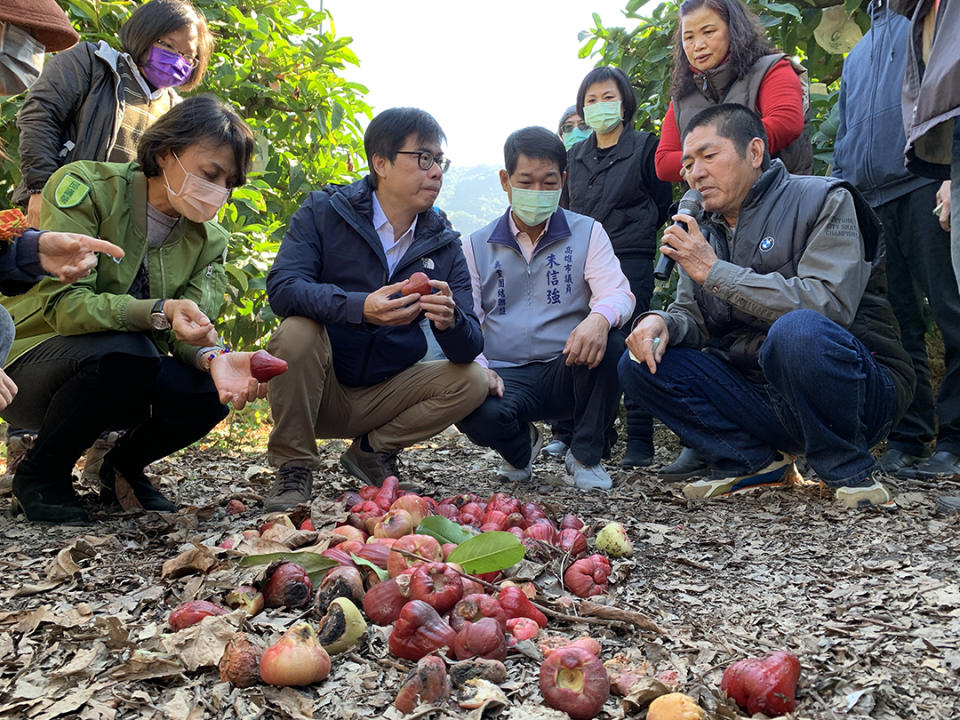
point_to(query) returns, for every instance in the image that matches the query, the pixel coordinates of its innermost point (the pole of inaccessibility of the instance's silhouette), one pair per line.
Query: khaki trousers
(307, 401)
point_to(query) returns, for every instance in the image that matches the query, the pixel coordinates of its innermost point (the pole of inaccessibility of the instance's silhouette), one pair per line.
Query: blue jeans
(824, 396)
(955, 201)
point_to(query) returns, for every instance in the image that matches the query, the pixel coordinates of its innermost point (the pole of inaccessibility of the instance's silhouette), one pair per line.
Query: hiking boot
(689, 463)
(48, 501)
(873, 494)
(17, 447)
(293, 486)
(508, 473)
(94, 458)
(941, 464)
(555, 449)
(114, 485)
(770, 476)
(370, 467)
(584, 477)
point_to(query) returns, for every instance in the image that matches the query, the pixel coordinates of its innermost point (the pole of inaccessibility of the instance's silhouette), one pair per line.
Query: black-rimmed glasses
(426, 159)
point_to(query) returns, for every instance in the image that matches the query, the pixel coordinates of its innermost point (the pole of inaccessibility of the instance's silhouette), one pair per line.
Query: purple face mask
(165, 68)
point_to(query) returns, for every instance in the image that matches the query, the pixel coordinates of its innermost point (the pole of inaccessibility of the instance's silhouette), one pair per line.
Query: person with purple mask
(93, 102)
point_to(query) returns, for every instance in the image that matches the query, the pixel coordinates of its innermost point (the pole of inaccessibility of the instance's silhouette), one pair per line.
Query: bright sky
(482, 69)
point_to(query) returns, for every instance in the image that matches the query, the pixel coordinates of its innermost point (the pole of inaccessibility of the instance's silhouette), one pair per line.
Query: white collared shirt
(393, 249)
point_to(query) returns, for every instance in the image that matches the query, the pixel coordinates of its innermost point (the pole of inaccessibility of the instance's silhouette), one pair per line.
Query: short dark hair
(387, 132)
(733, 121)
(198, 119)
(157, 18)
(602, 74)
(534, 142)
(748, 41)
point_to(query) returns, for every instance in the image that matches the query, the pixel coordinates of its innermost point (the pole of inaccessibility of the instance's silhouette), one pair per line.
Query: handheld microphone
(690, 204)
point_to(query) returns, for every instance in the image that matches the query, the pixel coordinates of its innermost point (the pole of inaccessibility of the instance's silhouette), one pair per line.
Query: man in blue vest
(781, 340)
(550, 296)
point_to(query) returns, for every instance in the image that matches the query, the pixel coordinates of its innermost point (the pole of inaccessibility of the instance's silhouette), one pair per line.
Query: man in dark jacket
(918, 249)
(781, 340)
(351, 338)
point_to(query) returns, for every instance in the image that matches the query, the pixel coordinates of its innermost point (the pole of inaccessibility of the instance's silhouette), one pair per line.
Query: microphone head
(691, 204)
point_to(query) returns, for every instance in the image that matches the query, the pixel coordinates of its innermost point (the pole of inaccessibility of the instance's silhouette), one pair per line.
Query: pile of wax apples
(399, 578)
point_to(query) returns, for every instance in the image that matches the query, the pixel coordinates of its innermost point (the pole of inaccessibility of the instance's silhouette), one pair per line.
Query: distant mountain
(472, 197)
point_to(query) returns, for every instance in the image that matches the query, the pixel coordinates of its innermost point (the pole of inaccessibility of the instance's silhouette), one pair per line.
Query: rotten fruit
(767, 684)
(574, 681)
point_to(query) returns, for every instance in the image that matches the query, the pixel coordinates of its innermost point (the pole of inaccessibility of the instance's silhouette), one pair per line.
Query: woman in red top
(721, 54)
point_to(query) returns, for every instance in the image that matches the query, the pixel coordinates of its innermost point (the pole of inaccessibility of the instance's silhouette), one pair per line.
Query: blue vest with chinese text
(530, 309)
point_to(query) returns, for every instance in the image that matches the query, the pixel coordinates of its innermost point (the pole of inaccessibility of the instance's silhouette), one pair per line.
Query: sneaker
(941, 464)
(873, 495)
(508, 473)
(17, 448)
(48, 501)
(895, 462)
(117, 488)
(556, 449)
(293, 486)
(94, 458)
(689, 463)
(369, 467)
(584, 477)
(770, 476)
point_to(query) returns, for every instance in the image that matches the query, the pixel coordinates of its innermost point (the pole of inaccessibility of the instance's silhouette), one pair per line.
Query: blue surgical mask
(603, 117)
(533, 207)
(572, 137)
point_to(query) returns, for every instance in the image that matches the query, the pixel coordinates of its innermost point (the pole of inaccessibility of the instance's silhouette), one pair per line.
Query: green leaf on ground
(443, 530)
(487, 552)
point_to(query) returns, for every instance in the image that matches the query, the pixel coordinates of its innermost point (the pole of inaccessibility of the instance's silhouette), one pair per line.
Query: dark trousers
(918, 266)
(538, 391)
(639, 272)
(73, 388)
(824, 397)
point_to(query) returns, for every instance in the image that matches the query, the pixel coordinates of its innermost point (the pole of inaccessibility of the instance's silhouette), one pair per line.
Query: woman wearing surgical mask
(93, 102)
(611, 178)
(132, 345)
(572, 128)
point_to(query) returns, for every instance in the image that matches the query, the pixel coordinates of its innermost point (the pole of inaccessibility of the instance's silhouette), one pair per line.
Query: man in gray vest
(550, 296)
(781, 340)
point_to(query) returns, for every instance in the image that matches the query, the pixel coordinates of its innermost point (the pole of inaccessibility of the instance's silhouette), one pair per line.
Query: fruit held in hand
(264, 366)
(296, 659)
(766, 684)
(574, 681)
(418, 283)
(675, 706)
(613, 541)
(190, 613)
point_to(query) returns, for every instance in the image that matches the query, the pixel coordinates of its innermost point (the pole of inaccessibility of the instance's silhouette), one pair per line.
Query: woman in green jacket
(132, 345)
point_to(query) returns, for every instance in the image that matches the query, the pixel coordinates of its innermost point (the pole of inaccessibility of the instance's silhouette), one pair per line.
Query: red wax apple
(418, 283)
(264, 366)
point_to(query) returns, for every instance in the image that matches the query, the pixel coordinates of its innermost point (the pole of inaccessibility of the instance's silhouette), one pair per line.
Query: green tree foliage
(278, 63)
(645, 53)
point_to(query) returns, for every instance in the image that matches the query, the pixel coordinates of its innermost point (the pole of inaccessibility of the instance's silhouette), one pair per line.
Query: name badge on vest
(766, 245)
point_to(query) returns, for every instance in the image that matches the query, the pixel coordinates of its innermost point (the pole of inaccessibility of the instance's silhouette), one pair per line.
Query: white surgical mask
(202, 198)
(21, 59)
(533, 206)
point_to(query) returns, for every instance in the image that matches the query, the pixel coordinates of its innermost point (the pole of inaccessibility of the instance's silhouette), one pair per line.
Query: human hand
(71, 256)
(33, 210)
(235, 383)
(587, 342)
(688, 248)
(943, 202)
(189, 324)
(8, 390)
(439, 307)
(379, 308)
(648, 341)
(495, 383)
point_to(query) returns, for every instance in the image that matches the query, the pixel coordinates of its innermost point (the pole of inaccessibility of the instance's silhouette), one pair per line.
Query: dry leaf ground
(869, 601)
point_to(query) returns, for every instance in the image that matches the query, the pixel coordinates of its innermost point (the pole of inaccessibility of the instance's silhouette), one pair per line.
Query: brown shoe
(370, 467)
(293, 486)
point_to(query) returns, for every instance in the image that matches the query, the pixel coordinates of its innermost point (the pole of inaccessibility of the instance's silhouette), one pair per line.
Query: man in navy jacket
(869, 154)
(351, 338)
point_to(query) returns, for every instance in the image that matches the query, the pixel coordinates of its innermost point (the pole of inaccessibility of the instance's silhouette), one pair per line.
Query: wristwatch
(158, 320)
